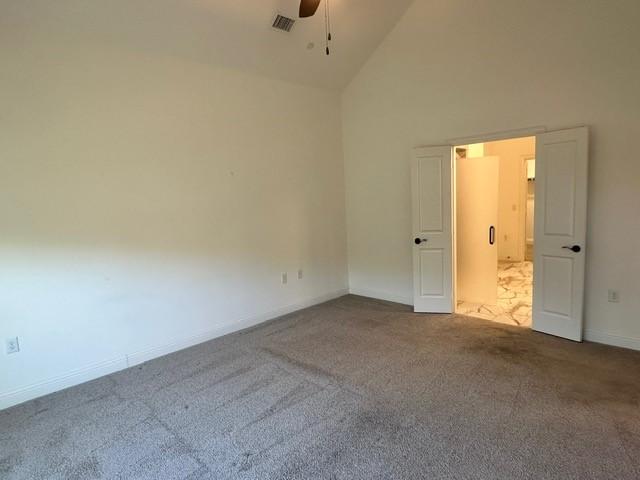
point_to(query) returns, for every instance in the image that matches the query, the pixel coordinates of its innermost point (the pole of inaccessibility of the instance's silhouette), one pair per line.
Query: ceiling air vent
(283, 23)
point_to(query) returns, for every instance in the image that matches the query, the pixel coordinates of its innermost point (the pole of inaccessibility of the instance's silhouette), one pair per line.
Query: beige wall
(148, 202)
(518, 64)
(512, 194)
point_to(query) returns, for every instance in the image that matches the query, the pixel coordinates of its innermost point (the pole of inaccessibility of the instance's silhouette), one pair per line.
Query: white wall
(512, 194)
(517, 64)
(149, 202)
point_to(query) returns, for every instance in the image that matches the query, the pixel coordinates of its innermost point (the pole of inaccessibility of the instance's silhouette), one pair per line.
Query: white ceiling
(234, 33)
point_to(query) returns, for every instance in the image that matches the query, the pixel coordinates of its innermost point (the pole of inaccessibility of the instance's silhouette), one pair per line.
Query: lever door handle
(418, 241)
(573, 248)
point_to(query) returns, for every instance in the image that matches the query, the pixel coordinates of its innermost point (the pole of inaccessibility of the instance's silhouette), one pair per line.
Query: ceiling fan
(308, 8)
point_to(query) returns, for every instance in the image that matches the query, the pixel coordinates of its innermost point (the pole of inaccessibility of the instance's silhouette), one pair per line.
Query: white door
(432, 229)
(476, 222)
(560, 231)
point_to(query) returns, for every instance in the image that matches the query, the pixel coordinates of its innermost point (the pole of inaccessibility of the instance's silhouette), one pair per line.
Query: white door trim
(522, 200)
(496, 136)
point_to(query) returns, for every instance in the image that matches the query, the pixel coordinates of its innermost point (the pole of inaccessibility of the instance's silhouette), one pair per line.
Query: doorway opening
(494, 204)
(561, 160)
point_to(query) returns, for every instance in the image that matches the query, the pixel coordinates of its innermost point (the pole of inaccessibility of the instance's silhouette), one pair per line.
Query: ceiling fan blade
(308, 7)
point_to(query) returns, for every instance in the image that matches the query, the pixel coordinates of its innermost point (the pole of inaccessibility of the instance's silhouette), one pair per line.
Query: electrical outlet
(12, 345)
(300, 274)
(614, 296)
(284, 278)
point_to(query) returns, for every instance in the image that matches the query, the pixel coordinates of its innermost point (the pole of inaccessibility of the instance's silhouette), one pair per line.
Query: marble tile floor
(515, 286)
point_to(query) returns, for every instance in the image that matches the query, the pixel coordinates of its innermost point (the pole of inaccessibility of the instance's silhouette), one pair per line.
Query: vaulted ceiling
(232, 33)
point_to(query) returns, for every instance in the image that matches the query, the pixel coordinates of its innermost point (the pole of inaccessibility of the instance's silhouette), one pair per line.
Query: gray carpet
(351, 389)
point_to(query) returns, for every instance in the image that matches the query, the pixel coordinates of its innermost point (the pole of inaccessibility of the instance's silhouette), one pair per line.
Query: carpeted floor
(351, 389)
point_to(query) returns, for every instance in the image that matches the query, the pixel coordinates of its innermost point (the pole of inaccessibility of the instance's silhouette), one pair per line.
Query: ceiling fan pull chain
(328, 21)
(326, 26)
(308, 8)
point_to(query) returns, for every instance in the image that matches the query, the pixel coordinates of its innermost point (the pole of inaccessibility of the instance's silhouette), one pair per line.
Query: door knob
(418, 241)
(573, 248)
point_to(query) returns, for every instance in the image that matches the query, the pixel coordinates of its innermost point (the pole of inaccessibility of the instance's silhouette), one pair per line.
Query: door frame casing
(503, 135)
(524, 196)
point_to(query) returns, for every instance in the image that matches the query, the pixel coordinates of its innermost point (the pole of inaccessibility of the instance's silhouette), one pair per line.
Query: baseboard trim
(74, 377)
(613, 340)
(389, 297)
(145, 355)
(96, 370)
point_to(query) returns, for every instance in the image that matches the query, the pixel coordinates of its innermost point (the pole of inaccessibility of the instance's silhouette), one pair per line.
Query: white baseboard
(614, 340)
(74, 377)
(93, 371)
(389, 297)
(590, 335)
(154, 352)
(96, 370)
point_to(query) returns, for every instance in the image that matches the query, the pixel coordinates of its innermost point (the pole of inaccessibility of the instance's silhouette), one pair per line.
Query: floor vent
(283, 23)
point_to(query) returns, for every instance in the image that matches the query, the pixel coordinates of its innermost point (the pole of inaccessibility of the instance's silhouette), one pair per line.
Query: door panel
(476, 213)
(430, 188)
(560, 222)
(432, 240)
(432, 261)
(559, 194)
(557, 283)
